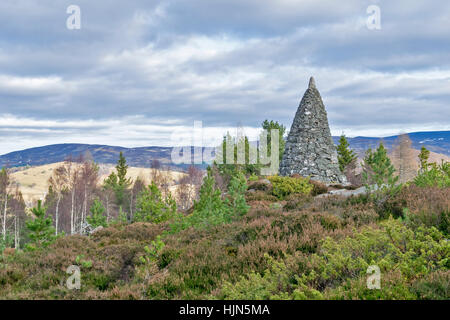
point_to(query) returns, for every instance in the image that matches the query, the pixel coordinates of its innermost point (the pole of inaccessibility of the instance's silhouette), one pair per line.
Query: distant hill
(136, 157)
(436, 141)
(33, 181)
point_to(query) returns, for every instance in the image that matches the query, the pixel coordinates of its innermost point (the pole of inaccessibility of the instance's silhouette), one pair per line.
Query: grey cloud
(223, 62)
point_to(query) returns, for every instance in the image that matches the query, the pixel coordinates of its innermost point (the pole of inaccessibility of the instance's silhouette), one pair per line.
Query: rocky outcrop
(310, 150)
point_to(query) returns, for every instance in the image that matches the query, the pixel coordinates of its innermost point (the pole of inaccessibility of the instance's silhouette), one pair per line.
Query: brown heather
(195, 263)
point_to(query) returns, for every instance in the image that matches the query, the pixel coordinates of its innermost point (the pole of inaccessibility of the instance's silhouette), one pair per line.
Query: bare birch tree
(4, 186)
(404, 158)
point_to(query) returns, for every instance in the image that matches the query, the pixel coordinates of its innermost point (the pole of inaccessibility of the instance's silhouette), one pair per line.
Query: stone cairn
(310, 150)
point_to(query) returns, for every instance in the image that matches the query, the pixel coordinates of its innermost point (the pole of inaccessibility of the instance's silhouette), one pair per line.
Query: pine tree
(122, 169)
(269, 125)
(345, 154)
(41, 229)
(97, 217)
(210, 199)
(378, 169)
(111, 181)
(151, 207)
(423, 158)
(236, 196)
(120, 181)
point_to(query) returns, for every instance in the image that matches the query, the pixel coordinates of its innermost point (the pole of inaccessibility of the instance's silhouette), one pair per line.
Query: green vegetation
(41, 231)
(345, 154)
(151, 207)
(378, 169)
(97, 217)
(269, 126)
(244, 238)
(246, 164)
(211, 209)
(423, 158)
(320, 250)
(284, 186)
(118, 182)
(379, 179)
(434, 175)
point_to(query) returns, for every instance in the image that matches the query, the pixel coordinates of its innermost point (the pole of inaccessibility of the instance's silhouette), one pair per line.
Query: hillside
(436, 141)
(296, 248)
(136, 157)
(33, 181)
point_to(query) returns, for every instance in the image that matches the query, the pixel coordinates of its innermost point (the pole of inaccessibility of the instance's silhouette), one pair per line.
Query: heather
(240, 235)
(318, 249)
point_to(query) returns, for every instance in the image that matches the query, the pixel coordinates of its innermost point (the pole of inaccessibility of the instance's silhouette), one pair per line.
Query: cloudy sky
(137, 71)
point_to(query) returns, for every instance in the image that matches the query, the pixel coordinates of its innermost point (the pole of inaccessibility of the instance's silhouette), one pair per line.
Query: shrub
(153, 252)
(151, 207)
(210, 209)
(260, 196)
(338, 269)
(345, 154)
(392, 246)
(284, 186)
(378, 175)
(150, 258)
(318, 188)
(236, 196)
(392, 287)
(434, 175)
(97, 217)
(261, 185)
(434, 286)
(8, 242)
(255, 286)
(41, 228)
(296, 201)
(428, 207)
(440, 220)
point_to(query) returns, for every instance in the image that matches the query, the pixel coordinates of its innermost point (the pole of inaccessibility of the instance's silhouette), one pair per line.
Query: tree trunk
(84, 212)
(107, 208)
(57, 214)
(4, 217)
(131, 206)
(16, 233)
(71, 213)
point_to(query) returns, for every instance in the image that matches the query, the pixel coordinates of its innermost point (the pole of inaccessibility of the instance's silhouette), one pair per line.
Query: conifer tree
(42, 232)
(269, 125)
(97, 217)
(152, 207)
(210, 199)
(345, 154)
(119, 182)
(423, 158)
(122, 169)
(236, 196)
(378, 169)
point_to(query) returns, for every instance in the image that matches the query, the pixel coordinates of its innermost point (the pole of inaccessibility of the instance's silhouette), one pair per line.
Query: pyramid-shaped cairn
(310, 150)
